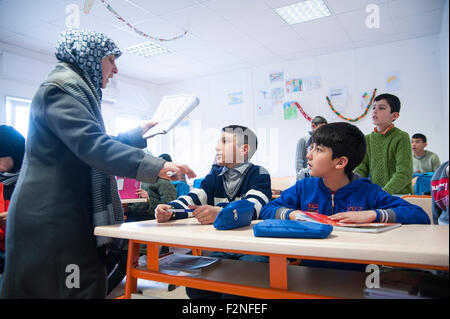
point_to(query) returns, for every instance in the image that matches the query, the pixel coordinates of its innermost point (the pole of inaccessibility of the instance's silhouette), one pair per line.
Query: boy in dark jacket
(336, 191)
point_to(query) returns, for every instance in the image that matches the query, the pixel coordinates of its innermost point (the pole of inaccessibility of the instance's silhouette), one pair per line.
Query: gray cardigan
(50, 226)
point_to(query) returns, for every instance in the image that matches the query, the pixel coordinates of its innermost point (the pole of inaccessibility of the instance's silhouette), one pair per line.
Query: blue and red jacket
(311, 194)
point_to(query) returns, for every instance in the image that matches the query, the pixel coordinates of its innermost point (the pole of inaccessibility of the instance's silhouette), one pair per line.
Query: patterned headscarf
(86, 49)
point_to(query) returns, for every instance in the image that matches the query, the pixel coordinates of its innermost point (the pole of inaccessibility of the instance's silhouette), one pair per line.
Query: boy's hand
(205, 214)
(143, 194)
(3, 217)
(365, 216)
(161, 213)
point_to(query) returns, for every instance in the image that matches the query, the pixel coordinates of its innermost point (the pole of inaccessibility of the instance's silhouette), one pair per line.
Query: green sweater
(389, 161)
(429, 162)
(161, 192)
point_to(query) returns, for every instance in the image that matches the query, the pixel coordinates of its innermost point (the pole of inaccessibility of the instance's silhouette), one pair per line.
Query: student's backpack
(423, 183)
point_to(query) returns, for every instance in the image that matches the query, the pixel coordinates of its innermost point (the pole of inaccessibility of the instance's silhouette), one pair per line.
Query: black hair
(319, 120)
(421, 136)
(344, 139)
(392, 100)
(166, 157)
(244, 135)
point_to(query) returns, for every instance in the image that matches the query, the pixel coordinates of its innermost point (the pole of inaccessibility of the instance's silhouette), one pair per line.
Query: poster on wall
(277, 96)
(294, 85)
(263, 104)
(235, 98)
(311, 83)
(392, 81)
(290, 110)
(276, 76)
(338, 97)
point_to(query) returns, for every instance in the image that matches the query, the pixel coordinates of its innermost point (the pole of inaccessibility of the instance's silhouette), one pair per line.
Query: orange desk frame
(277, 271)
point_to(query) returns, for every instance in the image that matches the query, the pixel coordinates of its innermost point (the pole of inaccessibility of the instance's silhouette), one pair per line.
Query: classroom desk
(412, 246)
(133, 200)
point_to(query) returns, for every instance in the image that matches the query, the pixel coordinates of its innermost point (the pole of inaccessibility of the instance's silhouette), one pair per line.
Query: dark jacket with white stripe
(254, 187)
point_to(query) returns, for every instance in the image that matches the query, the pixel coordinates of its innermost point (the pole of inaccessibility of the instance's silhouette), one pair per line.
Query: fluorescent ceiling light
(148, 49)
(303, 11)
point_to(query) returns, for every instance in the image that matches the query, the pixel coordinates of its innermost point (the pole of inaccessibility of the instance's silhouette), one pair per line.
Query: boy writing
(231, 178)
(334, 189)
(388, 161)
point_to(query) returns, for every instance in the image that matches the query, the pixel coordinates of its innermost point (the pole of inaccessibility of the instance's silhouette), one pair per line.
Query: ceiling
(222, 35)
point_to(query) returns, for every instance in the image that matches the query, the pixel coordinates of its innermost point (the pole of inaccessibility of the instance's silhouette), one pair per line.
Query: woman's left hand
(146, 126)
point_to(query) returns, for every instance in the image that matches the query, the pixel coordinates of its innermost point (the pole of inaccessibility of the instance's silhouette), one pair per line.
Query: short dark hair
(166, 157)
(344, 139)
(244, 135)
(392, 100)
(421, 136)
(319, 120)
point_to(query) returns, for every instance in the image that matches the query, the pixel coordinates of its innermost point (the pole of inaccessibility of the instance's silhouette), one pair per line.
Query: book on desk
(353, 227)
(187, 263)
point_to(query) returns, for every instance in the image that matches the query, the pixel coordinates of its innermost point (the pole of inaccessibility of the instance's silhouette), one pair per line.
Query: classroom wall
(444, 45)
(22, 71)
(417, 63)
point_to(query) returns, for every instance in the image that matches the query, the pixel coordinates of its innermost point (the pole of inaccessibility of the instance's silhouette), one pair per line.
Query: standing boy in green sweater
(388, 160)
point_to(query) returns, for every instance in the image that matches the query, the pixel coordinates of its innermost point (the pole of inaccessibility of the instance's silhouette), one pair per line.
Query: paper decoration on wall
(311, 83)
(392, 81)
(359, 117)
(235, 98)
(276, 77)
(110, 9)
(263, 105)
(88, 5)
(306, 116)
(290, 110)
(277, 96)
(294, 85)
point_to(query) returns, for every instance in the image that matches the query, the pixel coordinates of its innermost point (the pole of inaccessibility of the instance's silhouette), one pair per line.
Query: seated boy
(423, 161)
(388, 161)
(231, 178)
(334, 189)
(439, 195)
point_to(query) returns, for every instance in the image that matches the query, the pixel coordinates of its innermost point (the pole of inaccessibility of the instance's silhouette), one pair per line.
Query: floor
(147, 289)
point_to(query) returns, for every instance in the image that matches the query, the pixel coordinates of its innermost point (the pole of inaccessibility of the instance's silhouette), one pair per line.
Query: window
(125, 123)
(17, 113)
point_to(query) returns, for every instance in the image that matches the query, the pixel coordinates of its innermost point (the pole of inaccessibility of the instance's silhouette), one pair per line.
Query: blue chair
(182, 188)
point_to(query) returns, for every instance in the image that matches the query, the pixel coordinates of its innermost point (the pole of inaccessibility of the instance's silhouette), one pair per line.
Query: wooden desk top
(133, 200)
(410, 244)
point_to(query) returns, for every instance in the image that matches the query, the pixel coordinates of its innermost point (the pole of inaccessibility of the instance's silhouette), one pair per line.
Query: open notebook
(127, 187)
(362, 228)
(171, 110)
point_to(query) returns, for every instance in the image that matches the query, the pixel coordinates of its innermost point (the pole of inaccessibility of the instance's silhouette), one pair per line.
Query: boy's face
(381, 114)
(227, 151)
(418, 146)
(320, 161)
(6, 164)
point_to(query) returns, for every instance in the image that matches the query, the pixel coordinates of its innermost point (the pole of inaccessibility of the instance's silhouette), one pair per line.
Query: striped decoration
(110, 9)
(359, 117)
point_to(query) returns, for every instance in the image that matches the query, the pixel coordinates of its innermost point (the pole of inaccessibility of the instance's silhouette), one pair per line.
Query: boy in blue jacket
(334, 189)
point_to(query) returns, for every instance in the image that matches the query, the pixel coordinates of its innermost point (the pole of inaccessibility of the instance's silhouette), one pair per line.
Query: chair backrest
(282, 183)
(423, 201)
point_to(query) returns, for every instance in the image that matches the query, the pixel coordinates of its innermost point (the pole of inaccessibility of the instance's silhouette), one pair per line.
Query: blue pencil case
(291, 229)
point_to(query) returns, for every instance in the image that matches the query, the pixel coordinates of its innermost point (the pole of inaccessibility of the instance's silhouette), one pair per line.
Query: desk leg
(278, 272)
(131, 283)
(152, 257)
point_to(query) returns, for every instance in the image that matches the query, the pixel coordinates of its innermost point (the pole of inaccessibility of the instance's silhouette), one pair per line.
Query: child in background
(423, 161)
(439, 195)
(388, 160)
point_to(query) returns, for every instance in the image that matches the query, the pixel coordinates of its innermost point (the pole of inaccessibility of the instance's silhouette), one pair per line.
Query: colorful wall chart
(294, 85)
(290, 110)
(235, 98)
